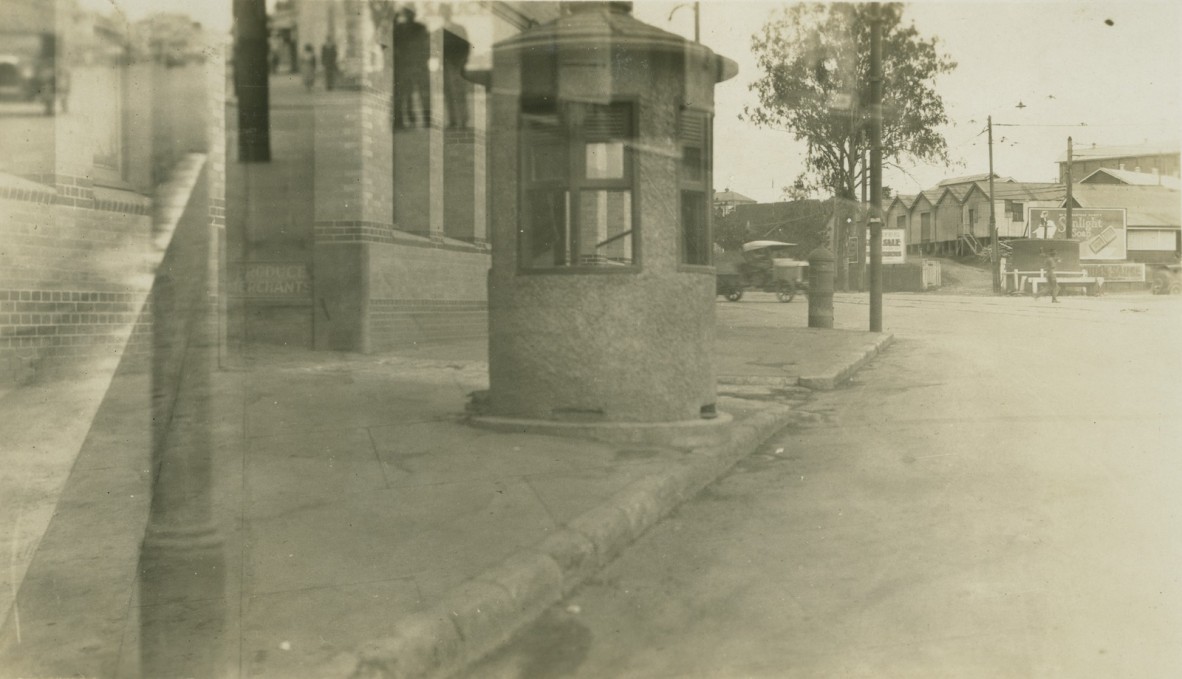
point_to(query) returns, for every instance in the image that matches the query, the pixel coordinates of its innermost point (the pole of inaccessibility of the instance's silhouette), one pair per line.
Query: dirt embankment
(963, 277)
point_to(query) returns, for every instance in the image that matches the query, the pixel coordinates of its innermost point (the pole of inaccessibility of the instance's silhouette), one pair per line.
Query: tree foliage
(795, 221)
(815, 60)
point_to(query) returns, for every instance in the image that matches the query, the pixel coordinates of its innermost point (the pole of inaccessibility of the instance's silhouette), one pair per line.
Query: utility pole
(876, 169)
(1069, 223)
(251, 72)
(863, 243)
(993, 254)
(840, 234)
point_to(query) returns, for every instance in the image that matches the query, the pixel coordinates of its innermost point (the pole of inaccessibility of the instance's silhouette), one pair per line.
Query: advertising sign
(1100, 231)
(1117, 273)
(894, 246)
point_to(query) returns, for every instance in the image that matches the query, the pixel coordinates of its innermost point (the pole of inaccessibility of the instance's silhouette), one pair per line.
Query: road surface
(997, 495)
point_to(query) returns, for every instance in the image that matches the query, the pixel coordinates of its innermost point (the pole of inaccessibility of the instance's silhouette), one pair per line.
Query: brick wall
(426, 293)
(73, 275)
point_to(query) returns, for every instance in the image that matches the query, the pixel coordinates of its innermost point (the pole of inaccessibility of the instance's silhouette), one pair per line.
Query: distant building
(1148, 158)
(1152, 217)
(953, 216)
(726, 201)
(1126, 177)
(974, 178)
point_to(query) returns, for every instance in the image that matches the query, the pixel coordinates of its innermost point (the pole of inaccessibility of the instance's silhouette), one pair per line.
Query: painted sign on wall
(270, 280)
(1100, 231)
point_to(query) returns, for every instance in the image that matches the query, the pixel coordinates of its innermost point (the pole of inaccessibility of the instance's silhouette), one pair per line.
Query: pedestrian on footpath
(308, 67)
(328, 57)
(1048, 265)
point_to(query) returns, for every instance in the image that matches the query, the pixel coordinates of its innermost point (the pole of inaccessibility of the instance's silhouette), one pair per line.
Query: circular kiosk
(601, 291)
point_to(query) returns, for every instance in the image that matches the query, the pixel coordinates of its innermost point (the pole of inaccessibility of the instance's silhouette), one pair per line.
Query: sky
(1060, 59)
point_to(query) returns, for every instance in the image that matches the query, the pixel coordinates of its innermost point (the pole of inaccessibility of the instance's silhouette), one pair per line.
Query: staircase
(971, 241)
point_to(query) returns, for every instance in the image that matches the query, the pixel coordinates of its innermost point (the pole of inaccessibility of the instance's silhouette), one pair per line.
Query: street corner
(741, 398)
(685, 434)
(845, 367)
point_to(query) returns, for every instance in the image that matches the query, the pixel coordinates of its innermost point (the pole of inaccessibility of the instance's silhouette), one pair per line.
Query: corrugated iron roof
(959, 191)
(933, 195)
(1135, 178)
(1024, 190)
(1145, 205)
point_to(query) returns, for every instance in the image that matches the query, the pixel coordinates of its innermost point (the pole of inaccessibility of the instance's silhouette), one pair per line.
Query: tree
(800, 221)
(815, 60)
(168, 38)
(798, 190)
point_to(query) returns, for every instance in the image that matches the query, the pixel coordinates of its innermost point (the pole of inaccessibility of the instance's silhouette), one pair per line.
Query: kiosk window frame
(578, 186)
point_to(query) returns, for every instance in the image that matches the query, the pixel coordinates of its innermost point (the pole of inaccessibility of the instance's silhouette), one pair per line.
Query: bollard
(820, 288)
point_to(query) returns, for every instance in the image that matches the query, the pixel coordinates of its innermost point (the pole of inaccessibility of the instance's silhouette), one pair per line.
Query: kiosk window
(577, 185)
(694, 144)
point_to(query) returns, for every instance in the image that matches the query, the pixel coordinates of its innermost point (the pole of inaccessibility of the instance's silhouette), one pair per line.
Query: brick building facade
(1149, 158)
(76, 184)
(383, 229)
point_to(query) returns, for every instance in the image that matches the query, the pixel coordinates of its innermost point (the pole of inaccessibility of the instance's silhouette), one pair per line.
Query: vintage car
(18, 81)
(761, 265)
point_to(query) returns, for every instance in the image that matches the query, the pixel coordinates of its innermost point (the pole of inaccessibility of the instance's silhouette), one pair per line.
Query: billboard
(1100, 231)
(894, 246)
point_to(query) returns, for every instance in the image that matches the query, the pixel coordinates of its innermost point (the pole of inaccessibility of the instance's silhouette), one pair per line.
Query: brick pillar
(412, 180)
(354, 207)
(459, 179)
(479, 118)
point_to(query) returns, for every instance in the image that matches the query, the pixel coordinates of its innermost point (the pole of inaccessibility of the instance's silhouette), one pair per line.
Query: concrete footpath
(364, 528)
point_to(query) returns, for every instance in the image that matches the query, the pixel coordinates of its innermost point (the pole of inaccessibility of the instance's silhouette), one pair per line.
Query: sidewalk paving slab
(367, 529)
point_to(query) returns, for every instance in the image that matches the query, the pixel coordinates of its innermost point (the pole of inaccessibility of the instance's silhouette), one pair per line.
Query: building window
(925, 226)
(1017, 211)
(972, 219)
(577, 184)
(901, 222)
(694, 142)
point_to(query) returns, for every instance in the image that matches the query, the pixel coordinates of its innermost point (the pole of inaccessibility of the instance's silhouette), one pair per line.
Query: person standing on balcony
(456, 49)
(412, 47)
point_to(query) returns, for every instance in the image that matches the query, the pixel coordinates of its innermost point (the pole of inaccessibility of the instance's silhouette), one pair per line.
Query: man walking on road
(1048, 265)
